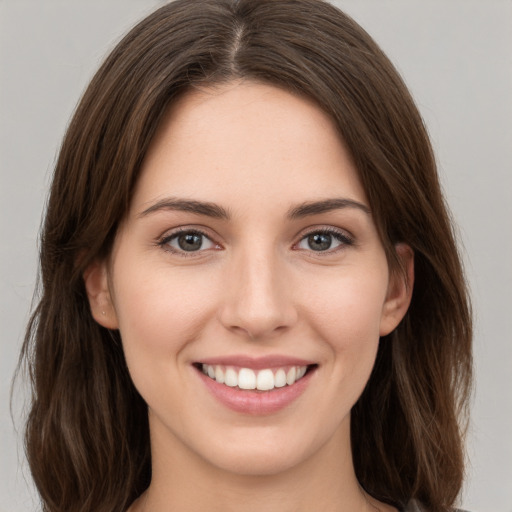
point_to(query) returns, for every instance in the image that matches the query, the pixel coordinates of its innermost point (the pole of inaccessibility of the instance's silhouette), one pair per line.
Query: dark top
(414, 506)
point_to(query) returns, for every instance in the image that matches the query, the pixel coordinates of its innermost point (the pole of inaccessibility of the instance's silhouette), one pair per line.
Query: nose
(258, 297)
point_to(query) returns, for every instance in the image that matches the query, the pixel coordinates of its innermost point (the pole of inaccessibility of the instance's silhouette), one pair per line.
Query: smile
(256, 386)
(263, 380)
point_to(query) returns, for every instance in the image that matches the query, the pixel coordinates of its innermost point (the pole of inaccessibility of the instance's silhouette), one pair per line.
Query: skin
(256, 288)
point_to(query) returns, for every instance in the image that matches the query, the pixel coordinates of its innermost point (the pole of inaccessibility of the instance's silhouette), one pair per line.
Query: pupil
(190, 242)
(320, 241)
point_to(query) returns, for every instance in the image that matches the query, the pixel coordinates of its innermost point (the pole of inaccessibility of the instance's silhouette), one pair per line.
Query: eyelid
(163, 240)
(346, 239)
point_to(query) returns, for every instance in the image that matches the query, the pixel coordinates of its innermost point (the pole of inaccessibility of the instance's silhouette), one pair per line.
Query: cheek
(160, 311)
(347, 309)
(344, 314)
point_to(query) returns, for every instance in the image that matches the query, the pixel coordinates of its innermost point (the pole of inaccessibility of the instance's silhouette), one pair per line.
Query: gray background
(455, 56)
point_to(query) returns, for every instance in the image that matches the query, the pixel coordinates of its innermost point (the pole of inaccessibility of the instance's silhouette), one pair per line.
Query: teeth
(219, 374)
(265, 380)
(245, 378)
(231, 378)
(290, 376)
(280, 378)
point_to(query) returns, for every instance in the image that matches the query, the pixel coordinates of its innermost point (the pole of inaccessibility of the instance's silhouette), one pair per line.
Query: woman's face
(249, 253)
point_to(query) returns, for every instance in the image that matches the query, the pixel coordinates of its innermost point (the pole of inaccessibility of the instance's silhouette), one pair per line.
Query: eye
(188, 241)
(324, 241)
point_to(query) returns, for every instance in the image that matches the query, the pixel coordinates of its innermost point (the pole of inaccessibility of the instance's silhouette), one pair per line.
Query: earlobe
(399, 292)
(98, 292)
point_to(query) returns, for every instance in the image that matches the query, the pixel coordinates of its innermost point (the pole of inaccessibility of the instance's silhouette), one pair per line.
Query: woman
(251, 295)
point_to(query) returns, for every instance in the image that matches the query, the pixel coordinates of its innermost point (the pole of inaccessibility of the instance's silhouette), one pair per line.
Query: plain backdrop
(456, 57)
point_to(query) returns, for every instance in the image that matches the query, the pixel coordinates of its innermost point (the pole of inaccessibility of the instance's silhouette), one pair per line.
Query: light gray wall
(455, 56)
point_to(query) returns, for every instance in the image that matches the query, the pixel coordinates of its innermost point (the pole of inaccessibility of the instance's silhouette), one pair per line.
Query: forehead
(245, 140)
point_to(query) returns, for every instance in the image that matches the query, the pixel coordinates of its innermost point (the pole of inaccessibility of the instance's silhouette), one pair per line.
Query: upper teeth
(245, 378)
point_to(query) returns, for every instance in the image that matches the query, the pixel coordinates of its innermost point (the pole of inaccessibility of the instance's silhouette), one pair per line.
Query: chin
(257, 462)
(266, 451)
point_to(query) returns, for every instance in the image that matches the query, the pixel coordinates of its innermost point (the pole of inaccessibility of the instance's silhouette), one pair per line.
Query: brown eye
(319, 241)
(324, 241)
(188, 241)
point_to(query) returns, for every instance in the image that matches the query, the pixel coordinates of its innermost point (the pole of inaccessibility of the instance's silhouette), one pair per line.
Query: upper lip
(256, 363)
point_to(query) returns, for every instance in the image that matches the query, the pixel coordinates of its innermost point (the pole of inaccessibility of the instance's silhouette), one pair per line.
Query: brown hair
(87, 434)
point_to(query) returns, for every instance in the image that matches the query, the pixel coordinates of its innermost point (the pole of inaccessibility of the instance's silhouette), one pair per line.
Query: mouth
(255, 386)
(262, 379)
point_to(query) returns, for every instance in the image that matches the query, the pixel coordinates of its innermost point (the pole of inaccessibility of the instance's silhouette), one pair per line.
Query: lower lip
(256, 402)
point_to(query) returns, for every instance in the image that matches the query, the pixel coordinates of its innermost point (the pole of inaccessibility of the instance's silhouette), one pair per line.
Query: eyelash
(164, 242)
(341, 236)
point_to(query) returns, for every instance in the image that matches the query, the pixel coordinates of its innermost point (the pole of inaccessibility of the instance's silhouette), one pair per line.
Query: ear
(98, 292)
(399, 291)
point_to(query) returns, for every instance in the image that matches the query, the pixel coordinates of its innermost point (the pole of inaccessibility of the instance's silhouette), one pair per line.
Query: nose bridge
(258, 300)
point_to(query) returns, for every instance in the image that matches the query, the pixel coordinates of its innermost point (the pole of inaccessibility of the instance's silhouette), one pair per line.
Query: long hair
(87, 435)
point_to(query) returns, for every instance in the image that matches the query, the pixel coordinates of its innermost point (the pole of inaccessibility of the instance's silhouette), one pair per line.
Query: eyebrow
(188, 205)
(218, 212)
(326, 205)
